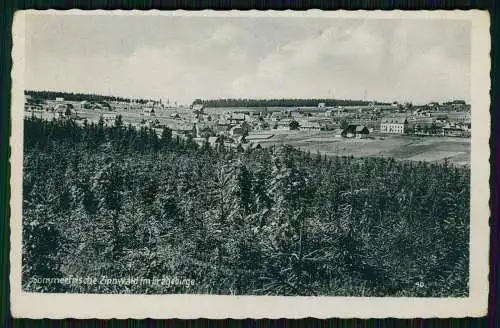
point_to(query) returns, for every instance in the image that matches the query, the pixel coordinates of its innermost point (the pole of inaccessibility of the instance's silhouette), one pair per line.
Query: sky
(184, 58)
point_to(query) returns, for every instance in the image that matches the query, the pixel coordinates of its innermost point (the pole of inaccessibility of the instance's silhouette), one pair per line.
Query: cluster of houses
(394, 125)
(57, 111)
(59, 108)
(437, 126)
(241, 122)
(455, 105)
(457, 129)
(50, 104)
(402, 126)
(433, 127)
(231, 128)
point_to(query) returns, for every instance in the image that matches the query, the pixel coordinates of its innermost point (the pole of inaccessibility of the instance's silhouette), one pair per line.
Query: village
(435, 131)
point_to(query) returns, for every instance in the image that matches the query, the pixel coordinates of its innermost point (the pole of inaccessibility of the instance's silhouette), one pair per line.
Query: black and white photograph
(265, 157)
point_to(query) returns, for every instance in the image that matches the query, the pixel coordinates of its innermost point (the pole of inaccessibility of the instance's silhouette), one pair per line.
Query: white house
(276, 116)
(395, 125)
(84, 104)
(236, 130)
(310, 126)
(148, 112)
(237, 118)
(283, 124)
(60, 107)
(261, 125)
(214, 141)
(59, 114)
(109, 118)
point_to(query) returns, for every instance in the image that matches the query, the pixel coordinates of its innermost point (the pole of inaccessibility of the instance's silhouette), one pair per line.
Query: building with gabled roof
(362, 131)
(276, 116)
(148, 112)
(255, 146)
(355, 131)
(197, 108)
(237, 130)
(84, 104)
(283, 124)
(109, 119)
(309, 126)
(214, 141)
(395, 125)
(237, 118)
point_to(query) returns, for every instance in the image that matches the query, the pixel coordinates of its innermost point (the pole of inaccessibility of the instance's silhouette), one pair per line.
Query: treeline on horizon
(117, 202)
(285, 102)
(71, 96)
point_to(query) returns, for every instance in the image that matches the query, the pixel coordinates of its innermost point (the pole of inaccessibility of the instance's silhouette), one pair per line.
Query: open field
(432, 149)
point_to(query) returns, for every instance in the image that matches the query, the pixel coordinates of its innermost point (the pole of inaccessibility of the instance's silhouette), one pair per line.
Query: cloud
(434, 75)
(332, 44)
(314, 65)
(387, 60)
(184, 71)
(349, 63)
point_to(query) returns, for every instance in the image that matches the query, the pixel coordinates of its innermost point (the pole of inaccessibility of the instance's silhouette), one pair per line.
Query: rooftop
(361, 128)
(395, 120)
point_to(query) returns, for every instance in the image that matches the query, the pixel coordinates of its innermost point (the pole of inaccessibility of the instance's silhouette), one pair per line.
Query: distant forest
(285, 102)
(117, 202)
(288, 102)
(71, 96)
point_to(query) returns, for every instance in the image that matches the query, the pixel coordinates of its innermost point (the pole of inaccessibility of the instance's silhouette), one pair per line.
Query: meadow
(401, 147)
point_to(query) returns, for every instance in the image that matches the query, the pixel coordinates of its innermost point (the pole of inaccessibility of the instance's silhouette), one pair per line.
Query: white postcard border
(37, 305)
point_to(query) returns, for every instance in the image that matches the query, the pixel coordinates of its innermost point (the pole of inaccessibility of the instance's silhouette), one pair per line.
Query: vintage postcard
(250, 164)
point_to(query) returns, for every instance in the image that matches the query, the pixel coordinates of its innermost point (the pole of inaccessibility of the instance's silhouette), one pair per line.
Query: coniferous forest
(116, 202)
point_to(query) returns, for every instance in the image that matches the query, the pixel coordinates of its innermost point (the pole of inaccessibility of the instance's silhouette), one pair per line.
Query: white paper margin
(38, 305)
